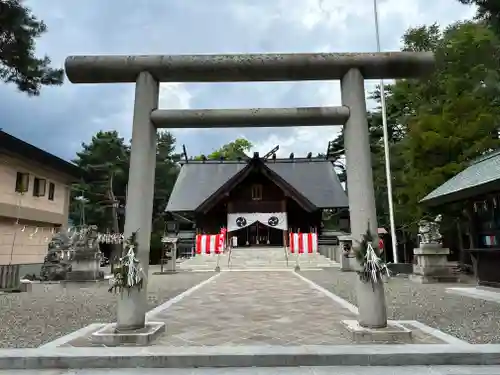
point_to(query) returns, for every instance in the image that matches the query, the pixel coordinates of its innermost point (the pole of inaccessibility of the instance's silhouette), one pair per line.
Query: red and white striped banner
(222, 238)
(209, 244)
(303, 243)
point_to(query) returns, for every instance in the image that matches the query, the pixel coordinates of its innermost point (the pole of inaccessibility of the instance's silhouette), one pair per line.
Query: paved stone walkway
(254, 308)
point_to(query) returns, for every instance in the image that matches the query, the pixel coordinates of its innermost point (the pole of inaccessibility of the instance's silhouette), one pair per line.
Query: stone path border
(339, 300)
(452, 340)
(309, 370)
(266, 269)
(72, 336)
(179, 297)
(251, 356)
(477, 293)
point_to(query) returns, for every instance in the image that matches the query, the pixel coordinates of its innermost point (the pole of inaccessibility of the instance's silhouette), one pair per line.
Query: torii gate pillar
(358, 156)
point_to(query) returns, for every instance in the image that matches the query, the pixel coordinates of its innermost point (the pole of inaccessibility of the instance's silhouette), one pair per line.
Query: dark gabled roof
(481, 177)
(316, 180)
(15, 146)
(197, 182)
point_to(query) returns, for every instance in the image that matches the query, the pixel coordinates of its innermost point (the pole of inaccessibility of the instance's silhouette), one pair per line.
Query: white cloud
(198, 26)
(299, 140)
(330, 21)
(174, 96)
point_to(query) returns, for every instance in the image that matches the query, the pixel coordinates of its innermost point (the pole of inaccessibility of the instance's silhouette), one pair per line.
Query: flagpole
(386, 146)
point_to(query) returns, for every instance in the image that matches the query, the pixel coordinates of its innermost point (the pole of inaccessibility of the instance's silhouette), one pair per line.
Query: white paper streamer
(135, 272)
(374, 266)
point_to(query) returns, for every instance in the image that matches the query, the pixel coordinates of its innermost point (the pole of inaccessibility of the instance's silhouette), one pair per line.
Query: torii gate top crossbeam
(246, 68)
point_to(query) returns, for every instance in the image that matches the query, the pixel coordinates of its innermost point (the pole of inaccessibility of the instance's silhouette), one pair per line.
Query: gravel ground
(473, 320)
(28, 320)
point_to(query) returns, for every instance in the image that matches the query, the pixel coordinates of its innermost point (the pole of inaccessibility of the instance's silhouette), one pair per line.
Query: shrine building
(260, 199)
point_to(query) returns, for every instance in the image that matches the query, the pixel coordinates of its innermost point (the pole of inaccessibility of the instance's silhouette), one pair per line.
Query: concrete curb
(250, 356)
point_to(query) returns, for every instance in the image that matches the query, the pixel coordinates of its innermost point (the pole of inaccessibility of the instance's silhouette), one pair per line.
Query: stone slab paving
(254, 309)
(327, 370)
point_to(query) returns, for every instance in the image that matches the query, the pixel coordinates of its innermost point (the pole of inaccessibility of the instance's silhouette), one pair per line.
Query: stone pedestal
(109, 335)
(347, 259)
(371, 304)
(171, 266)
(169, 259)
(348, 262)
(393, 333)
(85, 270)
(432, 265)
(328, 243)
(26, 286)
(372, 325)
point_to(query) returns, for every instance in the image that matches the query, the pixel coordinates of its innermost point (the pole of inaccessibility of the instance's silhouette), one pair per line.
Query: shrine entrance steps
(257, 258)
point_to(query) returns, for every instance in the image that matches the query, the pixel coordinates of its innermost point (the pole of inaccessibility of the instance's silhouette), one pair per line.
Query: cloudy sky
(63, 117)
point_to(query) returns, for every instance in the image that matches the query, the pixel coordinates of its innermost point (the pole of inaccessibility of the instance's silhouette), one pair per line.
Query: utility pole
(386, 147)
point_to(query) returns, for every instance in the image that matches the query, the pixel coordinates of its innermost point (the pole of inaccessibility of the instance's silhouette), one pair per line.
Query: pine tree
(19, 29)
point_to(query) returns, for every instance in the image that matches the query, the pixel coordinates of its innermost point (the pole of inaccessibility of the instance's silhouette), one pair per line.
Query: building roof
(481, 177)
(15, 146)
(315, 179)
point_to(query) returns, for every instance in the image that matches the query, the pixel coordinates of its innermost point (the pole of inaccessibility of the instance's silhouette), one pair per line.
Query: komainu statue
(73, 255)
(428, 231)
(56, 264)
(86, 255)
(86, 244)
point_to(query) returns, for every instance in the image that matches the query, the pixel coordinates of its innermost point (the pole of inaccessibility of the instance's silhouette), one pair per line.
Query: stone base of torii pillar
(372, 325)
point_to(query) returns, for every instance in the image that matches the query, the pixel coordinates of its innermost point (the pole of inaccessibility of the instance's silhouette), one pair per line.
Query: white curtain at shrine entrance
(242, 220)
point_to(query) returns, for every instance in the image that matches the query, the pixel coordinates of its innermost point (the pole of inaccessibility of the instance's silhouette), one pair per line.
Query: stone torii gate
(148, 71)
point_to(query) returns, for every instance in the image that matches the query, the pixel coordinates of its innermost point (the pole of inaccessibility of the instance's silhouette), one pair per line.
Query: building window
(257, 192)
(22, 182)
(52, 190)
(39, 187)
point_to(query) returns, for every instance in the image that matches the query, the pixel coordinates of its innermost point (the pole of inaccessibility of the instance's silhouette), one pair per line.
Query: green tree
(455, 111)
(166, 173)
(437, 124)
(230, 151)
(488, 11)
(105, 160)
(19, 29)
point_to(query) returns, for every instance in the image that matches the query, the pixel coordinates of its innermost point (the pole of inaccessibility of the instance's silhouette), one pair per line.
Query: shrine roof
(481, 177)
(315, 179)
